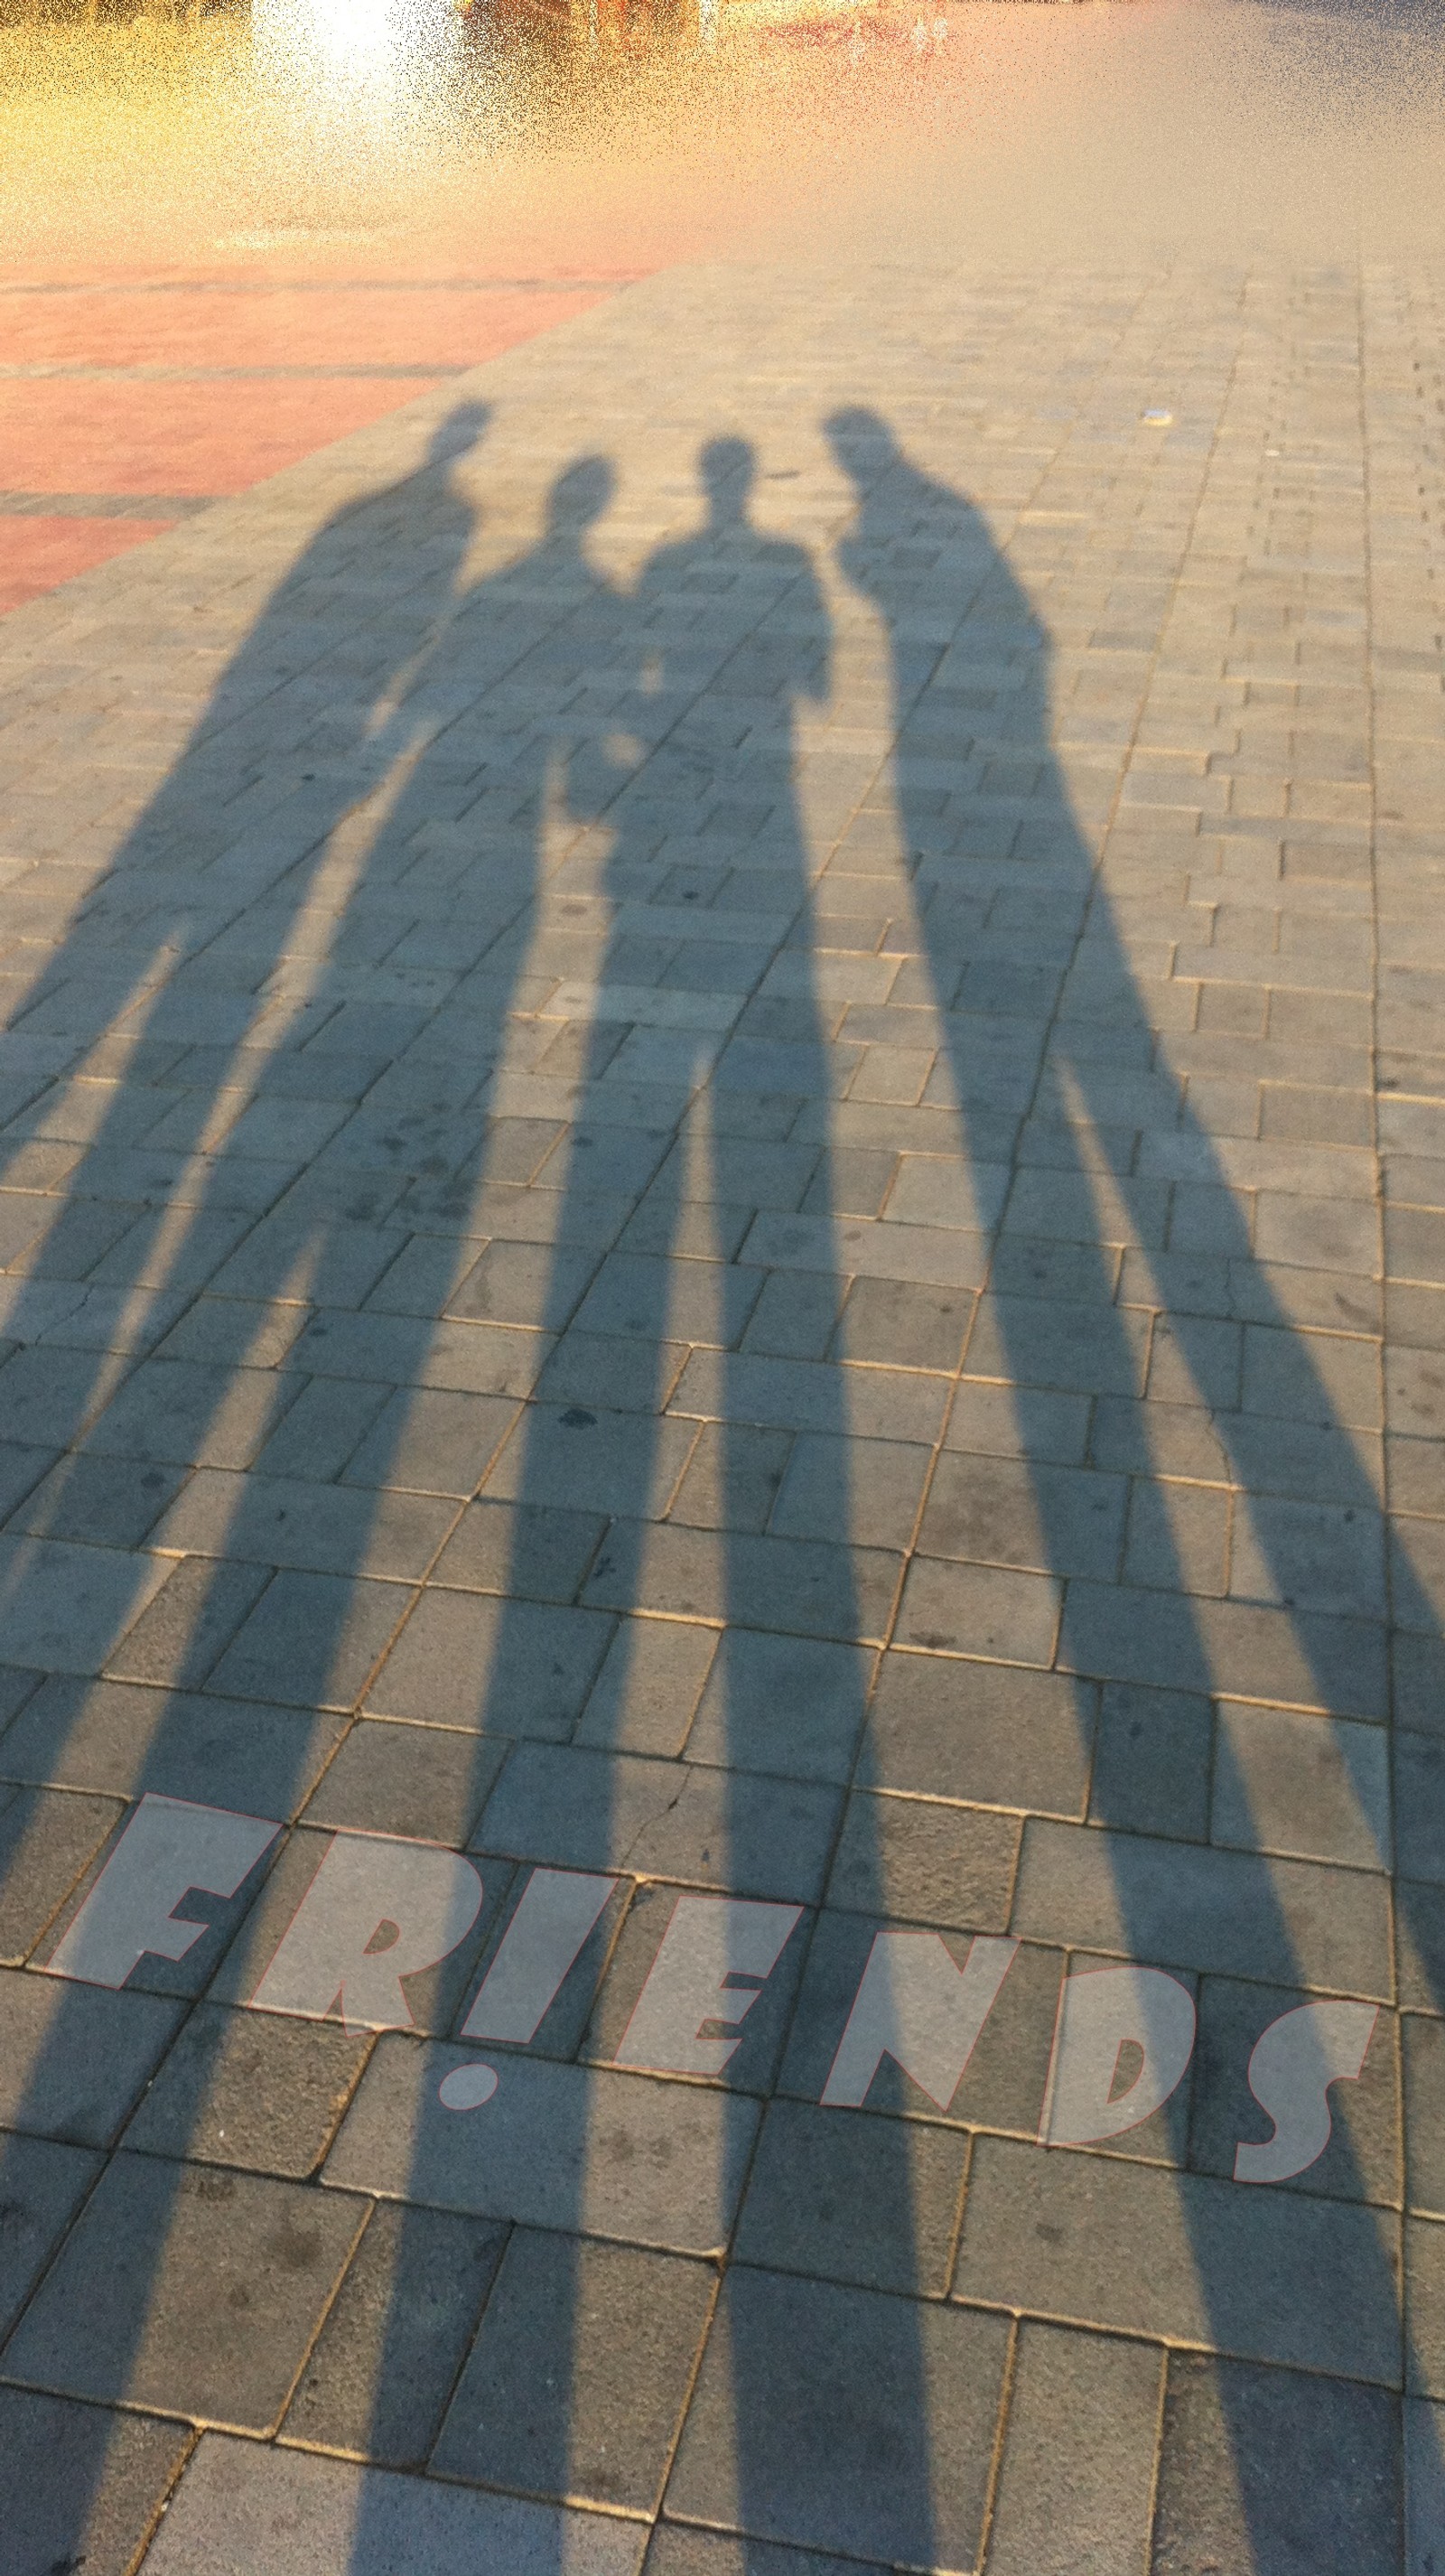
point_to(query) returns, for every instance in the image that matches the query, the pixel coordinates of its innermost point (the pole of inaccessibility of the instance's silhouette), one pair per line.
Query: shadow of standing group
(319, 951)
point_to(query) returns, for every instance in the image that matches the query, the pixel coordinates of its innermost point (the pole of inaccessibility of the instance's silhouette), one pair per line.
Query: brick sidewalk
(722, 1177)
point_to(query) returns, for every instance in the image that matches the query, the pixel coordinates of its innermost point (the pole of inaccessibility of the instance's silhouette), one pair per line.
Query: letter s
(1292, 2066)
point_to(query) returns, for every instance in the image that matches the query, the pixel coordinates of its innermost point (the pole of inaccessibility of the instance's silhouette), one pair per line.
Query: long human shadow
(700, 1048)
(1032, 987)
(394, 1096)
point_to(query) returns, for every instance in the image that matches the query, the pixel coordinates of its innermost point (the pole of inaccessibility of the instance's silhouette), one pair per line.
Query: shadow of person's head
(727, 470)
(581, 495)
(461, 431)
(862, 442)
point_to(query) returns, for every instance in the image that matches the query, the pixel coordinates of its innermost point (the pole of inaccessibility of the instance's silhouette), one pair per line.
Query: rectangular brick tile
(1292, 1921)
(1103, 2241)
(849, 2197)
(81, 2486)
(379, 2379)
(1076, 2482)
(575, 2386)
(74, 2058)
(568, 2147)
(1276, 2470)
(843, 2419)
(243, 2504)
(190, 2290)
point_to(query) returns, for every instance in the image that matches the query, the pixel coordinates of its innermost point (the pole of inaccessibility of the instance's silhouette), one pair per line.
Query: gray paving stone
(1316, 1788)
(1077, 2476)
(1362, 2160)
(67, 1606)
(311, 1641)
(81, 2485)
(1152, 1761)
(1277, 2471)
(675, 2550)
(598, 1461)
(845, 2196)
(1424, 2487)
(985, 1733)
(500, 1667)
(645, 1696)
(423, 1782)
(250, 2090)
(786, 1704)
(233, 1972)
(813, 2415)
(46, 1842)
(983, 1611)
(378, 2381)
(320, 1529)
(753, 2065)
(104, 1502)
(743, 1831)
(1125, 1634)
(244, 2509)
(574, 2148)
(425, 1440)
(531, 1551)
(798, 1586)
(196, 2292)
(1288, 1921)
(576, 2384)
(41, 2186)
(1283, 2278)
(193, 1617)
(916, 1860)
(125, 1740)
(76, 2057)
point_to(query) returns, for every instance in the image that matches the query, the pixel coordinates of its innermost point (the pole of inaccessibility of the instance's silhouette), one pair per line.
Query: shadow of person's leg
(1109, 1375)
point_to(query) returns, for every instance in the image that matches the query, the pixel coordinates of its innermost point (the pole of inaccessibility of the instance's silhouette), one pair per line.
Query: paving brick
(249, 2090)
(378, 2380)
(46, 1842)
(427, 1782)
(785, 1704)
(125, 1740)
(813, 2415)
(980, 1732)
(500, 1667)
(311, 1641)
(1362, 2160)
(918, 1861)
(1285, 2278)
(76, 2057)
(81, 2485)
(423, 1439)
(192, 1618)
(1276, 2470)
(193, 2291)
(1077, 2475)
(1317, 1788)
(646, 1693)
(578, 1809)
(792, 1585)
(567, 2147)
(43, 2184)
(576, 2384)
(235, 1964)
(1174, 1905)
(848, 2197)
(246, 2507)
(1152, 1761)
(67, 1606)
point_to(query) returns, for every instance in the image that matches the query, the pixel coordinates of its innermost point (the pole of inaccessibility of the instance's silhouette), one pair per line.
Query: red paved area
(41, 552)
(187, 389)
